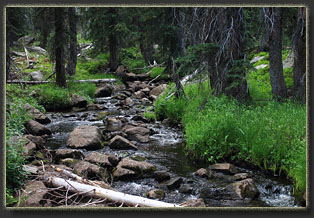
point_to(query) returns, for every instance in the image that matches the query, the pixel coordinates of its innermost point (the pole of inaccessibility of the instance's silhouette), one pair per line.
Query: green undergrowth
(270, 135)
(259, 79)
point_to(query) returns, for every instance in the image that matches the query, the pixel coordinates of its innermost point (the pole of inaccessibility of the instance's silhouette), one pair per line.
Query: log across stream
(165, 150)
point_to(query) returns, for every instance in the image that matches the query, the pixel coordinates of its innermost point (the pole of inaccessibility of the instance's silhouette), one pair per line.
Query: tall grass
(269, 135)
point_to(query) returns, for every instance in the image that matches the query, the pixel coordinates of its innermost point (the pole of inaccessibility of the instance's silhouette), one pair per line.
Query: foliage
(94, 66)
(132, 59)
(270, 135)
(195, 56)
(158, 71)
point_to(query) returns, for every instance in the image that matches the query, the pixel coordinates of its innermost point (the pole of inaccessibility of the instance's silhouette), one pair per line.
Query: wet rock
(36, 114)
(224, 167)
(108, 135)
(235, 191)
(139, 94)
(202, 172)
(186, 188)
(167, 122)
(245, 189)
(40, 141)
(140, 118)
(104, 91)
(104, 160)
(78, 101)
(152, 98)
(67, 115)
(36, 76)
(156, 194)
(123, 174)
(34, 195)
(161, 175)
(145, 91)
(35, 128)
(88, 137)
(119, 142)
(68, 153)
(128, 102)
(89, 170)
(94, 107)
(146, 102)
(199, 202)
(174, 183)
(101, 115)
(240, 176)
(142, 168)
(158, 90)
(139, 134)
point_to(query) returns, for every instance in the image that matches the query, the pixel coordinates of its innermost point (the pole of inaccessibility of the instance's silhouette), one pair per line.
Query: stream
(165, 150)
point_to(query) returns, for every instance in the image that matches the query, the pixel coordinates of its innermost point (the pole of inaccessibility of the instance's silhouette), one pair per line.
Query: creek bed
(166, 151)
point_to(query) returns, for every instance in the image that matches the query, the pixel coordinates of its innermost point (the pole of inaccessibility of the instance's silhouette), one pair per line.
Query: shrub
(158, 71)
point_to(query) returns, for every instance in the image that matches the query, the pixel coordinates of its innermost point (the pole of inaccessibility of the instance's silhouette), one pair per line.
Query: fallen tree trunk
(98, 192)
(45, 82)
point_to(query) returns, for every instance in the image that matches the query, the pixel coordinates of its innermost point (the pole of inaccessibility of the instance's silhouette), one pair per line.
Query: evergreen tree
(60, 39)
(72, 56)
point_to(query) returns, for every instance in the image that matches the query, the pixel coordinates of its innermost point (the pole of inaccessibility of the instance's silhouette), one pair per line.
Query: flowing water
(166, 151)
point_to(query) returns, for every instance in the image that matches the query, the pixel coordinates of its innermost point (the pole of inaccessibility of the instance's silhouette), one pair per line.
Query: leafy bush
(132, 59)
(156, 71)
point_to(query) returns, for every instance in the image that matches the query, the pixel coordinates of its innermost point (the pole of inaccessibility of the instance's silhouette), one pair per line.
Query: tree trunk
(299, 52)
(181, 31)
(113, 41)
(277, 80)
(8, 58)
(59, 46)
(72, 59)
(147, 51)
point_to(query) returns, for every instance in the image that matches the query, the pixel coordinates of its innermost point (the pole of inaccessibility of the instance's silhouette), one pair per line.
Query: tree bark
(113, 42)
(8, 58)
(59, 46)
(299, 52)
(72, 59)
(274, 27)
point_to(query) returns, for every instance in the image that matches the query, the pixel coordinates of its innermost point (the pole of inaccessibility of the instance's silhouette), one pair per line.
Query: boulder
(36, 76)
(174, 183)
(35, 128)
(104, 160)
(123, 174)
(289, 61)
(224, 167)
(104, 91)
(146, 101)
(88, 137)
(29, 147)
(146, 90)
(161, 176)
(128, 102)
(40, 141)
(90, 171)
(94, 107)
(142, 168)
(158, 90)
(199, 202)
(36, 114)
(202, 172)
(139, 94)
(235, 191)
(240, 176)
(245, 189)
(186, 188)
(156, 194)
(140, 118)
(34, 195)
(68, 153)
(257, 59)
(119, 142)
(78, 101)
(139, 134)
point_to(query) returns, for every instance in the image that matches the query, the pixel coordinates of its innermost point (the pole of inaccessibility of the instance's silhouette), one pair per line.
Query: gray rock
(174, 183)
(123, 174)
(90, 171)
(142, 168)
(35, 128)
(161, 176)
(34, 195)
(68, 153)
(240, 176)
(194, 203)
(104, 91)
(36, 114)
(156, 194)
(104, 160)
(88, 137)
(36, 76)
(119, 142)
(202, 172)
(158, 90)
(224, 167)
(78, 101)
(186, 188)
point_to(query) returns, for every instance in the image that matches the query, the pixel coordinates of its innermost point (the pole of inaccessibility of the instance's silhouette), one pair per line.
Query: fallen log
(98, 192)
(45, 82)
